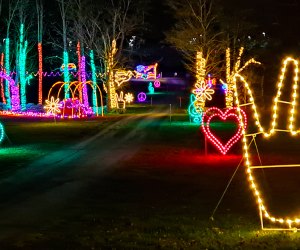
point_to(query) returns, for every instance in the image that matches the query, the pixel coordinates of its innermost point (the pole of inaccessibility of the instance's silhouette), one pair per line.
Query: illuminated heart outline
(216, 112)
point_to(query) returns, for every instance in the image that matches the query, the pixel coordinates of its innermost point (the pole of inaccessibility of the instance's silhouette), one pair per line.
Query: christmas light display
(2, 132)
(73, 108)
(111, 90)
(142, 97)
(290, 222)
(83, 80)
(156, 83)
(195, 112)
(66, 74)
(121, 102)
(150, 88)
(7, 72)
(78, 51)
(129, 97)
(229, 114)
(22, 67)
(94, 79)
(74, 88)
(52, 106)
(230, 75)
(15, 98)
(201, 90)
(146, 72)
(1, 79)
(40, 72)
(122, 76)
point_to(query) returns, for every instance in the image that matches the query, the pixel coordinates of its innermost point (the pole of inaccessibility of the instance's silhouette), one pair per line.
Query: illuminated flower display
(52, 106)
(203, 91)
(129, 97)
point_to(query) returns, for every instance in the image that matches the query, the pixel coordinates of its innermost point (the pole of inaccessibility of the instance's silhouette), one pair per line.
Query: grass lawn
(161, 198)
(29, 139)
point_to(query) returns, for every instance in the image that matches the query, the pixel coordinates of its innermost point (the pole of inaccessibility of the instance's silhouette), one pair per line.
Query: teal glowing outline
(195, 113)
(2, 132)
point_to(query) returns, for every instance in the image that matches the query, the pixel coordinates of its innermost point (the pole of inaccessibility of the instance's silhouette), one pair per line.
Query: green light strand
(23, 49)
(66, 75)
(94, 79)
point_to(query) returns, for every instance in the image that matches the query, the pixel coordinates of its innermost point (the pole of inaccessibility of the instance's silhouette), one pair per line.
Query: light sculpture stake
(290, 223)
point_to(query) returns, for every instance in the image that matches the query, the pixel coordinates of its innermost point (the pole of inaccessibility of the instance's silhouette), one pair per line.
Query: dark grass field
(162, 197)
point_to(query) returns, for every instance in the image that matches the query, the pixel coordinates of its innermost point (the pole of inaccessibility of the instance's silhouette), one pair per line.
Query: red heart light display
(229, 113)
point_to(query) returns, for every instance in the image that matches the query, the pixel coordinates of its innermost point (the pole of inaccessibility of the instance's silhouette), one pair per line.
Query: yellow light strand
(273, 128)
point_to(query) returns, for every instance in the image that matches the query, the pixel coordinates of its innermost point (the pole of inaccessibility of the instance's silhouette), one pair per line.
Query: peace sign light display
(282, 222)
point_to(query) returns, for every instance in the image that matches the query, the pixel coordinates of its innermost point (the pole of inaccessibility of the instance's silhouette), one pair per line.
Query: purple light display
(142, 97)
(83, 79)
(15, 95)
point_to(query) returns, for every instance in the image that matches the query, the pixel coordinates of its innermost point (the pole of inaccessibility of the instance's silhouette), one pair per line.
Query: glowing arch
(92, 86)
(76, 84)
(264, 212)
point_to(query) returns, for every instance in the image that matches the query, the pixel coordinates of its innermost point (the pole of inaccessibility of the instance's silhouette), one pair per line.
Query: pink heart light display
(229, 113)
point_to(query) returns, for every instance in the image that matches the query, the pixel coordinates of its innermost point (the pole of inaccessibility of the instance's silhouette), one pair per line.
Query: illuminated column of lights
(200, 83)
(94, 79)
(7, 70)
(200, 67)
(66, 74)
(78, 51)
(228, 73)
(229, 92)
(40, 73)
(238, 62)
(1, 80)
(83, 79)
(111, 82)
(22, 67)
(272, 130)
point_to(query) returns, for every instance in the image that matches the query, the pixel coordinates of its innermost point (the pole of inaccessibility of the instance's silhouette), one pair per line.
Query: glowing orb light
(142, 97)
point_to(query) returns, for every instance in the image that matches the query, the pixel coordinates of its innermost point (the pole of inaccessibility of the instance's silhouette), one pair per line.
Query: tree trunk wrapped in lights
(7, 71)
(111, 90)
(94, 79)
(1, 80)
